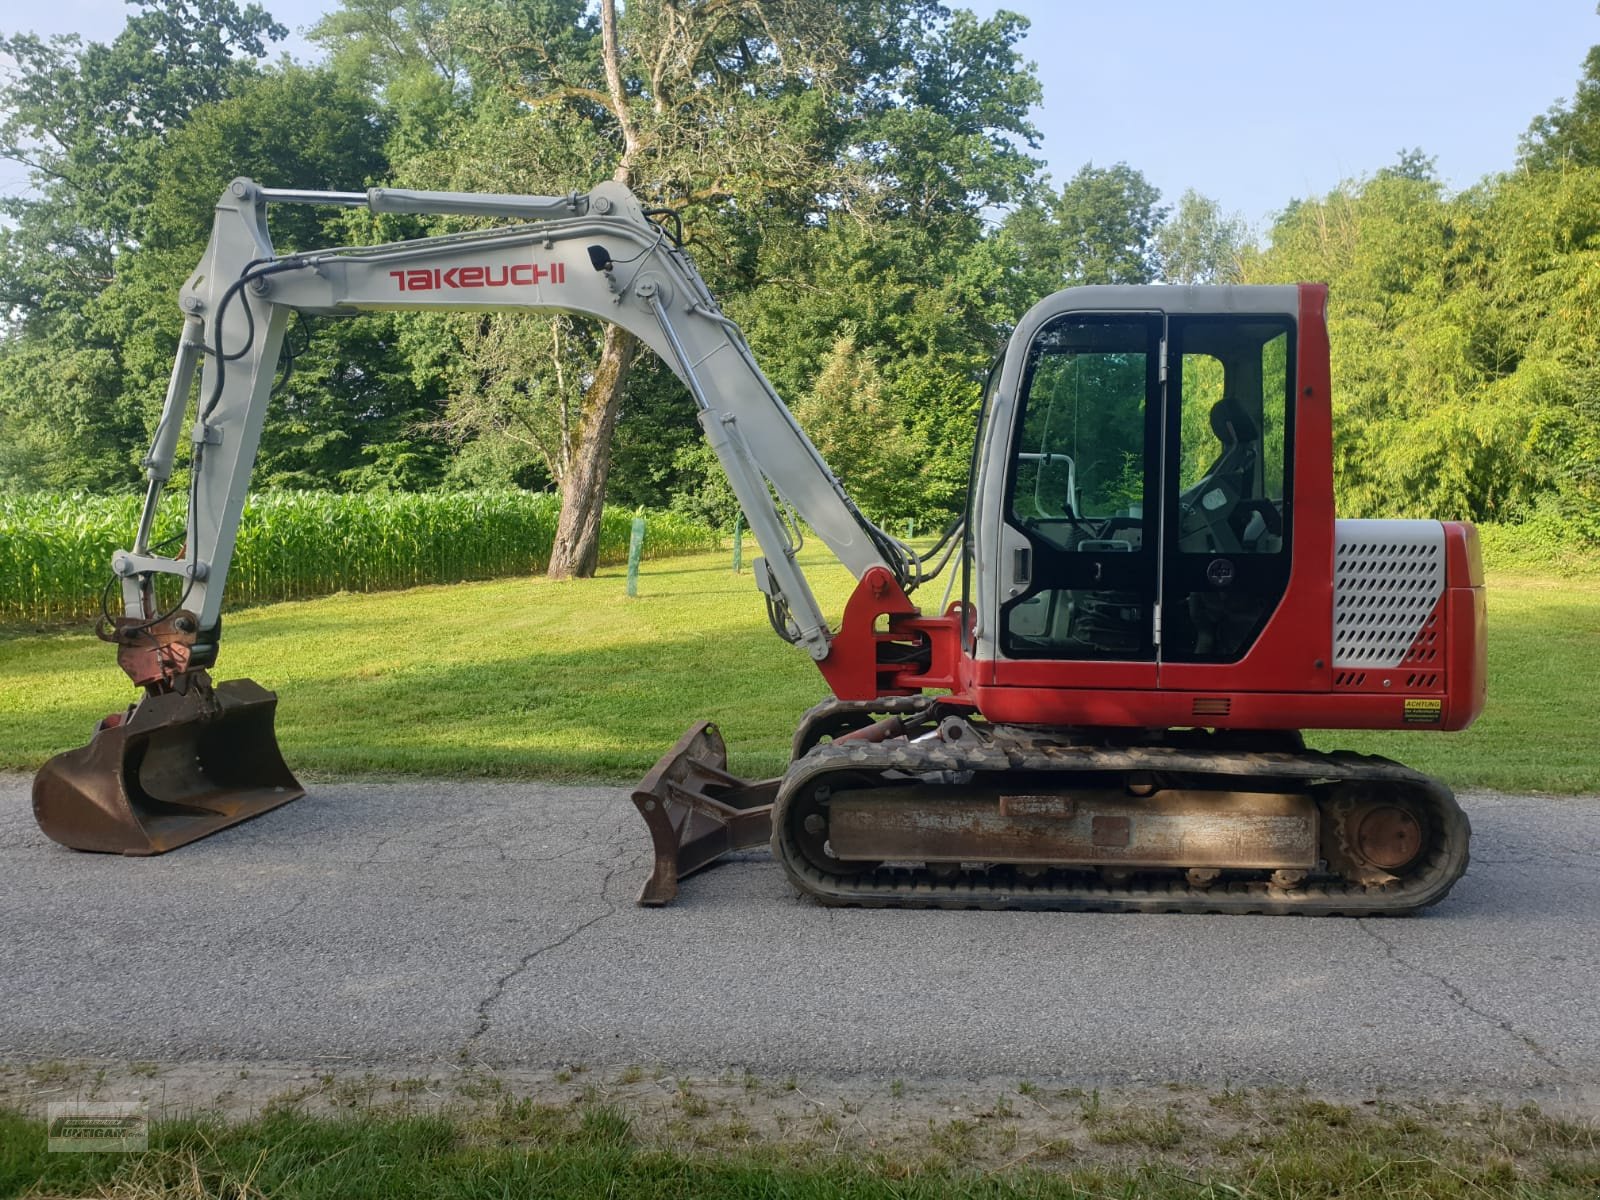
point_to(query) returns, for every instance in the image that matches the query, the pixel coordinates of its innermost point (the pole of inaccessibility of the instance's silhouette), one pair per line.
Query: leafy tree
(87, 123)
(660, 458)
(1463, 349)
(937, 104)
(62, 423)
(515, 390)
(1414, 165)
(769, 125)
(930, 303)
(1100, 228)
(1200, 243)
(1568, 134)
(352, 413)
(1536, 340)
(710, 498)
(1383, 246)
(877, 459)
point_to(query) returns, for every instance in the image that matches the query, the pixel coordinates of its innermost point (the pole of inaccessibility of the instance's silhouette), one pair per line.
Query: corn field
(55, 550)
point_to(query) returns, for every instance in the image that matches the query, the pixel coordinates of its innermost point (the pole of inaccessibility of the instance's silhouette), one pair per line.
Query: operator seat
(1205, 510)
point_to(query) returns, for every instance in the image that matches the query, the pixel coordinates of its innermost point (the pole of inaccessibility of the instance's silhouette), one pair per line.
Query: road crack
(1460, 998)
(497, 989)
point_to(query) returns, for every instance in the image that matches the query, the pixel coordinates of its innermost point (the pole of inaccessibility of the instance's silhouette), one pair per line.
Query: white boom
(596, 254)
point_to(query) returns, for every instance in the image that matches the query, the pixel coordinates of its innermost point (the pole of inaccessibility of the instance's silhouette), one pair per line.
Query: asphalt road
(440, 920)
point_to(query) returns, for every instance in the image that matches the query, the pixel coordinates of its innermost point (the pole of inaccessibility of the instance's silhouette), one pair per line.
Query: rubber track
(1428, 881)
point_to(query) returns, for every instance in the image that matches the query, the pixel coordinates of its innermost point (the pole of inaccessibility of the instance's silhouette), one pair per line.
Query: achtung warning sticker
(1424, 712)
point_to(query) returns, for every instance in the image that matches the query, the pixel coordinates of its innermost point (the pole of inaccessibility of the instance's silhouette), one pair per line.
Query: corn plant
(55, 550)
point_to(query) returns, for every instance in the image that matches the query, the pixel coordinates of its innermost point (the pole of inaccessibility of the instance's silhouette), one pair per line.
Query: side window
(1227, 555)
(1202, 391)
(1231, 443)
(1082, 487)
(991, 389)
(1274, 398)
(1078, 471)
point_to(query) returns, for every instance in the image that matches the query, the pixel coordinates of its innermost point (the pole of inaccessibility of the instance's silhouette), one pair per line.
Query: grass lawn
(1031, 1142)
(524, 677)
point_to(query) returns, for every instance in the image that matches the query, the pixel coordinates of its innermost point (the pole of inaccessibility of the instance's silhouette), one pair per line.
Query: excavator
(1147, 599)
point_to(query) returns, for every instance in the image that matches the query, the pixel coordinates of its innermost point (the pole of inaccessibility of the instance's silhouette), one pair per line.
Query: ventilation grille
(1425, 646)
(1349, 679)
(1211, 706)
(1387, 580)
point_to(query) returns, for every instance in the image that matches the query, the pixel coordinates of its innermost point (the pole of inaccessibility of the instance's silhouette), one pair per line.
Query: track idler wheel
(1376, 837)
(1388, 836)
(806, 813)
(178, 768)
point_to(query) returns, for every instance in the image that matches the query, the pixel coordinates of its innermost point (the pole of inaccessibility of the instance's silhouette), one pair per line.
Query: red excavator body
(1350, 592)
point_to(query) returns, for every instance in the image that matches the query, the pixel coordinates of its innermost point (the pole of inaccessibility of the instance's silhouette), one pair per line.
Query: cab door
(1080, 558)
(1227, 516)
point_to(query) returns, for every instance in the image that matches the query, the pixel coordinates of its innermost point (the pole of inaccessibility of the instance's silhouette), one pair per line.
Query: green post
(635, 548)
(738, 542)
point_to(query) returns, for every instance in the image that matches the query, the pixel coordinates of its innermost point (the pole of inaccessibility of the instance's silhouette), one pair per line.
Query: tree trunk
(576, 551)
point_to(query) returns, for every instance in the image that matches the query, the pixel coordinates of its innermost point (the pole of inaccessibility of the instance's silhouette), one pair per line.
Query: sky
(1250, 102)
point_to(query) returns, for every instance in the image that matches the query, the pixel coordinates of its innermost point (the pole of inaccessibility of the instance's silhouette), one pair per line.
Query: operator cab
(1146, 510)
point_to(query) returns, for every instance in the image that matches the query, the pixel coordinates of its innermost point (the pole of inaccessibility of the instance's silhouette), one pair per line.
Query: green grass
(594, 1149)
(528, 678)
(515, 677)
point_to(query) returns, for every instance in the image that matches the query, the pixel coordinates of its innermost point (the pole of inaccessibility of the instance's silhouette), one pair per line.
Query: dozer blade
(697, 812)
(177, 769)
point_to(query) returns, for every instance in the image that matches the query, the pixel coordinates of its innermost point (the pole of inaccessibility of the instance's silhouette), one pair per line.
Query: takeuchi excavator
(1149, 595)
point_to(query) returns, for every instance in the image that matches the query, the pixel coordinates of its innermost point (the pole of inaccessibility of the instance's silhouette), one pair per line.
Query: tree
(349, 412)
(764, 122)
(905, 262)
(846, 415)
(1200, 243)
(62, 423)
(1109, 220)
(1384, 246)
(603, 93)
(1568, 134)
(1463, 347)
(1537, 341)
(342, 417)
(586, 448)
(87, 122)
(1412, 164)
(1100, 228)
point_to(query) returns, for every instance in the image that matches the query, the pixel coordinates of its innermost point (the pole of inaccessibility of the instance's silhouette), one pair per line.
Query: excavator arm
(596, 254)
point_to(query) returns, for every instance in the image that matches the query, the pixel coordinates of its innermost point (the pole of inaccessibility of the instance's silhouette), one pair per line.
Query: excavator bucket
(176, 769)
(697, 812)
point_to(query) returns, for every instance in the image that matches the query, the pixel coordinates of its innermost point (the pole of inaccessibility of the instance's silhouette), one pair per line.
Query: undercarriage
(910, 805)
